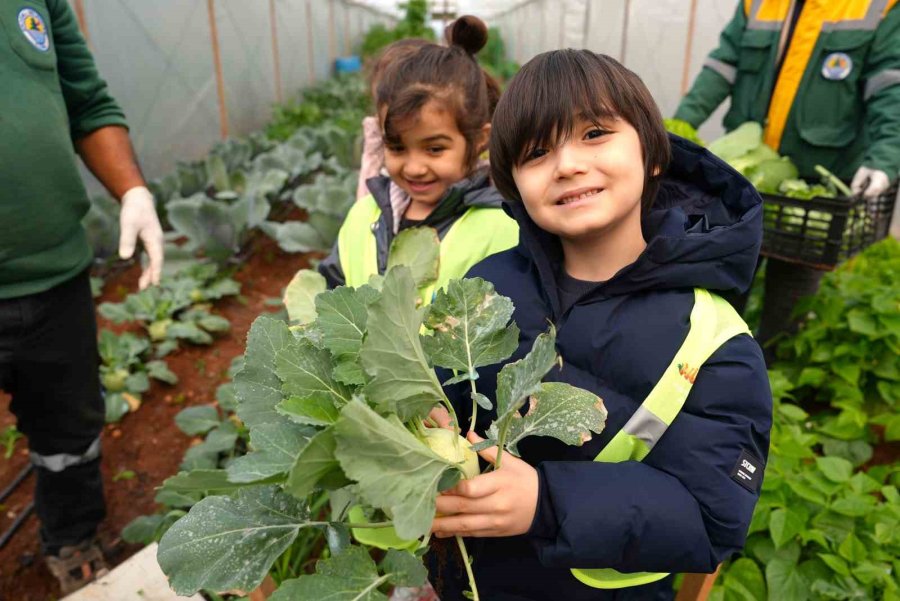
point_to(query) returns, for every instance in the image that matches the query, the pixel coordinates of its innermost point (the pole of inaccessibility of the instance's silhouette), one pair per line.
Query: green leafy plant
(101, 223)
(222, 169)
(218, 227)
(124, 475)
(846, 352)
(827, 520)
(8, 438)
(326, 202)
(177, 309)
(493, 57)
(743, 149)
(342, 100)
(200, 421)
(413, 25)
(823, 529)
(124, 374)
(340, 403)
(222, 437)
(288, 117)
(772, 174)
(683, 129)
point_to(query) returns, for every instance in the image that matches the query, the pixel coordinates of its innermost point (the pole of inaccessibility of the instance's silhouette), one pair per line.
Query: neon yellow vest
(713, 322)
(479, 233)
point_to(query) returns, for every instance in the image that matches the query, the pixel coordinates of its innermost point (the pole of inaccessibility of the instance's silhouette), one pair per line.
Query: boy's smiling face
(589, 184)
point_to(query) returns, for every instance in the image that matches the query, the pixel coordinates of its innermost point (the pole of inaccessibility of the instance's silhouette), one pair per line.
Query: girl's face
(431, 154)
(588, 184)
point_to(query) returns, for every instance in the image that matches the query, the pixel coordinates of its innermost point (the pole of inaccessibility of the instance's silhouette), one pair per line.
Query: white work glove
(138, 220)
(869, 182)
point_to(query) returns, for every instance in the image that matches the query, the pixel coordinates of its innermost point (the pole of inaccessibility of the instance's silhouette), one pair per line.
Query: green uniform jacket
(829, 116)
(50, 95)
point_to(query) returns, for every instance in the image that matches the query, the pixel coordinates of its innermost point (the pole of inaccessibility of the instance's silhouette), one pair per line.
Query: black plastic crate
(821, 232)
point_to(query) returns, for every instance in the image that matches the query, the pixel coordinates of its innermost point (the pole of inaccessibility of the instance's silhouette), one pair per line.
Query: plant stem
(474, 406)
(364, 593)
(452, 413)
(420, 427)
(468, 563)
(354, 525)
(501, 441)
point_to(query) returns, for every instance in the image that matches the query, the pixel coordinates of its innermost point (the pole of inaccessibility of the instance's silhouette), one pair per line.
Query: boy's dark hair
(449, 74)
(546, 97)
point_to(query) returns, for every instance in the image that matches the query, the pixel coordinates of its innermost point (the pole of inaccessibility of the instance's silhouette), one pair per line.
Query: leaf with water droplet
(257, 386)
(227, 543)
(350, 576)
(403, 382)
(470, 326)
(394, 469)
(274, 449)
(560, 411)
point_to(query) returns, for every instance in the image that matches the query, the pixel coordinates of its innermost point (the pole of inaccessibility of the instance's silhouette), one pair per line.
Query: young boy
(623, 230)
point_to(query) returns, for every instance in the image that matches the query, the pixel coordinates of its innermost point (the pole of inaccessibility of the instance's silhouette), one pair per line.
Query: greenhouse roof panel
(481, 8)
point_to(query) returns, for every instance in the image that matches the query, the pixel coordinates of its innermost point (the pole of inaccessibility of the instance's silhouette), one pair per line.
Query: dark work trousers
(49, 364)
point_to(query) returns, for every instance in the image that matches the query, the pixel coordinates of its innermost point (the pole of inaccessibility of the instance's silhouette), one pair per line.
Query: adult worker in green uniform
(823, 78)
(54, 105)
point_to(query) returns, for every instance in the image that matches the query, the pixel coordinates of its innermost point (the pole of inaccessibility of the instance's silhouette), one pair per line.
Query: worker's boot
(77, 565)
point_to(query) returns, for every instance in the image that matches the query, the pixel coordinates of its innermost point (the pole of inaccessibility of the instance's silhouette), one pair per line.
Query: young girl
(435, 110)
(625, 233)
(372, 160)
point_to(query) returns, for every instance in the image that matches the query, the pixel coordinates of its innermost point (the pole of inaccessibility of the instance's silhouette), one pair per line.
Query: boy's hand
(500, 503)
(441, 417)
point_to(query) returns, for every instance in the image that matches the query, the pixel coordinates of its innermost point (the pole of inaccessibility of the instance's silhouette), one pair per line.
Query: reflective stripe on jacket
(713, 323)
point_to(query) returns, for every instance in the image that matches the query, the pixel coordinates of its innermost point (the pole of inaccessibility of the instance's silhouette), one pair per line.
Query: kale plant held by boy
(627, 238)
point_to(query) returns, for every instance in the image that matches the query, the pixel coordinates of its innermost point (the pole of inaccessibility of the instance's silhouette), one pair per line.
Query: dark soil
(145, 442)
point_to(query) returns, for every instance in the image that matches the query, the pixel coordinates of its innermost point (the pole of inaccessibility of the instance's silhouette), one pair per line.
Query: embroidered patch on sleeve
(748, 471)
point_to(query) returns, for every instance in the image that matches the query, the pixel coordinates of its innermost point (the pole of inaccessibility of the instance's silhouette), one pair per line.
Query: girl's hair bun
(468, 32)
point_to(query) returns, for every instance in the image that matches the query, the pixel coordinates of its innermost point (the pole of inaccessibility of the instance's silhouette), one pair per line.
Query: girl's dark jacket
(681, 509)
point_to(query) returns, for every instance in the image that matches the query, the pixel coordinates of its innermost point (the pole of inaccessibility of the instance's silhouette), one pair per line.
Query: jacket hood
(473, 191)
(704, 230)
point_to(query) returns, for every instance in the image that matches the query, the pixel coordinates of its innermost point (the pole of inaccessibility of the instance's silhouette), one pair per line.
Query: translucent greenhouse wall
(649, 36)
(160, 57)
(189, 72)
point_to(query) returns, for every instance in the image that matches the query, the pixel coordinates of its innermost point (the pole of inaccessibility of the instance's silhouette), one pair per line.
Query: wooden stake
(587, 25)
(519, 38)
(625, 31)
(685, 74)
(82, 23)
(276, 53)
(696, 587)
(332, 42)
(562, 27)
(346, 30)
(310, 44)
(217, 63)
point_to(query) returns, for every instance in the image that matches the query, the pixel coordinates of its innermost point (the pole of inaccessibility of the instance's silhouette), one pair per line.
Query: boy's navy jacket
(680, 510)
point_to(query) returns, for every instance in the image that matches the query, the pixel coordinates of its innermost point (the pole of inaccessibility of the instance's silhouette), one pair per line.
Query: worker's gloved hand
(138, 220)
(869, 182)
